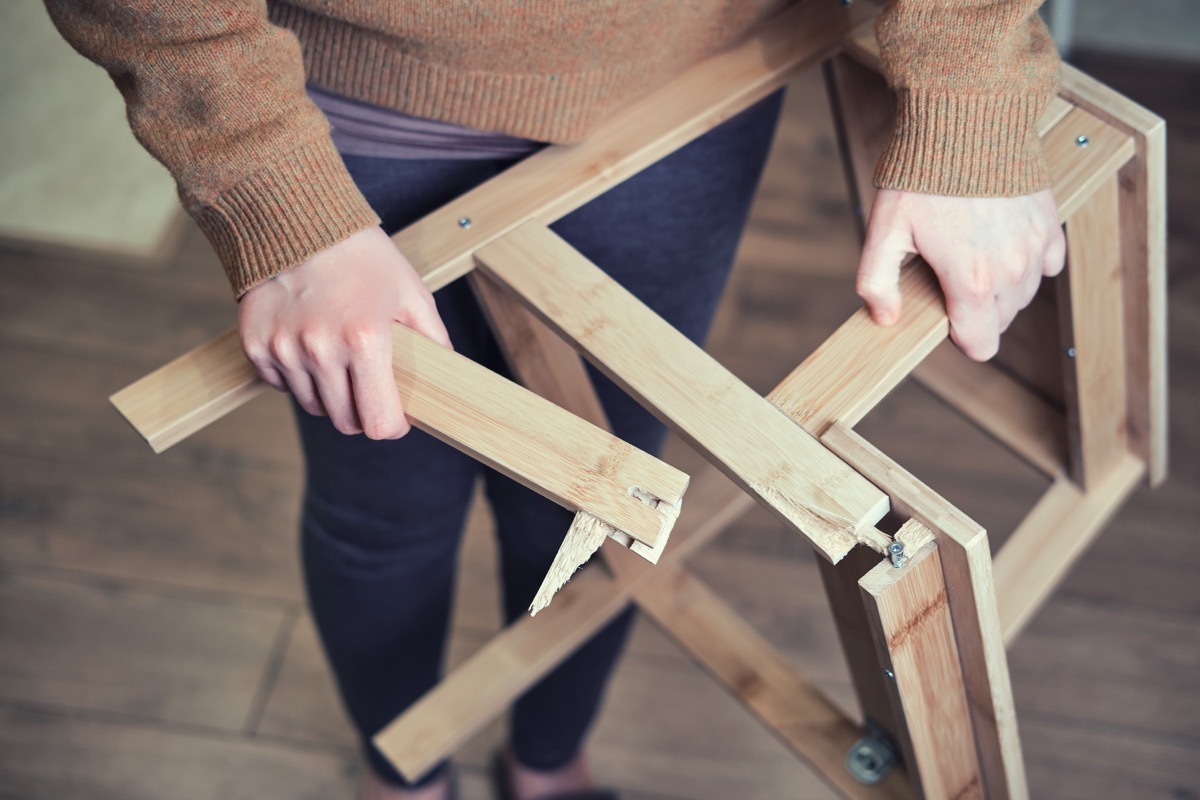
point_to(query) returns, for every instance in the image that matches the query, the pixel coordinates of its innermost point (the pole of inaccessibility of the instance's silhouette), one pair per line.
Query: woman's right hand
(322, 330)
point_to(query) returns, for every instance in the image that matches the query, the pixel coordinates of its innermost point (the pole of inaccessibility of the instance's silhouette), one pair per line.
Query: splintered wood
(758, 447)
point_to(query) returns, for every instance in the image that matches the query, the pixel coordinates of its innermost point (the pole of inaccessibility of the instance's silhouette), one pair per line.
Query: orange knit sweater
(215, 90)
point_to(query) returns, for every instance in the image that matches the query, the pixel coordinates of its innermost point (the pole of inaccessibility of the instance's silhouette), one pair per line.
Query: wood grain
(966, 563)
(530, 439)
(915, 636)
(760, 449)
(1092, 317)
(1143, 201)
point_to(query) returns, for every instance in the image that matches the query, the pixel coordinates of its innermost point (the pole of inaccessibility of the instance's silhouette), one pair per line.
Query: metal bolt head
(896, 551)
(887, 673)
(1070, 352)
(870, 759)
(464, 222)
(1082, 141)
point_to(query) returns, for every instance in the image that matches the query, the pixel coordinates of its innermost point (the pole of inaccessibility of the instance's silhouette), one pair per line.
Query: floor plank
(99, 645)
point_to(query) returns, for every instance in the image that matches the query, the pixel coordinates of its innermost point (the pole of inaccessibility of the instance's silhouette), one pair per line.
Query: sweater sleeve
(216, 93)
(971, 77)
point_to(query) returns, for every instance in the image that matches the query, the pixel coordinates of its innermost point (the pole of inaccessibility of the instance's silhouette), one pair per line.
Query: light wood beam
(534, 441)
(1091, 315)
(760, 449)
(915, 636)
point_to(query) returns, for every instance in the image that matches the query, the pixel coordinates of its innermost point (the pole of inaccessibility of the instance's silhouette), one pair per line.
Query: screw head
(1070, 352)
(464, 222)
(895, 548)
(887, 673)
(1082, 141)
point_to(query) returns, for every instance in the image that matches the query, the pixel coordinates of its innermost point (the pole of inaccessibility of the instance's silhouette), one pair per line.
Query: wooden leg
(966, 564)
(1092, 312)
(875, 697)
(1143, 245)
(909, 609)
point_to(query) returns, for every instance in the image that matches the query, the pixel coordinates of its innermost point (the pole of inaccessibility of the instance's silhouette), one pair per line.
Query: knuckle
(362, 338)
(980, 284)
(314, 344)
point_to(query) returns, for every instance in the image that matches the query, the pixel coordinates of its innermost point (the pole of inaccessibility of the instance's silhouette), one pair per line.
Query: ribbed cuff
(281, 215)
(964, 145)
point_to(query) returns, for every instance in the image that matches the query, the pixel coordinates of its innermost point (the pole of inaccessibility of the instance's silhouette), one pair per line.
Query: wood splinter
(583, 539)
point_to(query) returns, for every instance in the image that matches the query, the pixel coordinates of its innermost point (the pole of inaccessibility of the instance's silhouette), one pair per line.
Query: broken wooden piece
(759, 448)
(501, 424)
(482, 687)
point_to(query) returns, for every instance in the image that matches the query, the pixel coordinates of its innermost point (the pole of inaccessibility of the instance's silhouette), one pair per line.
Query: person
(429, 99)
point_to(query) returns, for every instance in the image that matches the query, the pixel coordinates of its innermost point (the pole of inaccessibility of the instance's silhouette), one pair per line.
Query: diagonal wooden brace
(788, 471)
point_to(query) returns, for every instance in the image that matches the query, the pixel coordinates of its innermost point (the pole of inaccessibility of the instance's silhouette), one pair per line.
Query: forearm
(216, 93)
(972, 78)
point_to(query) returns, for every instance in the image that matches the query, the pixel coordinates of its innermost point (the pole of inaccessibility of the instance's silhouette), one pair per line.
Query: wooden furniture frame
(924, 628)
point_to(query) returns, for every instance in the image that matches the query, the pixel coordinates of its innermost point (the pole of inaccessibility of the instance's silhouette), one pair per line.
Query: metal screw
(871, 758)
(1070, 352)
(1082, 141)
(887, 673)
(896, 551)
(464, 222)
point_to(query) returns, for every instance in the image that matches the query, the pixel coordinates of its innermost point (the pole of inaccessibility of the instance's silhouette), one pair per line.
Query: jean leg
(381, 521)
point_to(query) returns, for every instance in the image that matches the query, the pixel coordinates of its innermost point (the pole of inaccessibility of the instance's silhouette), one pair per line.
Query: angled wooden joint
(781, 465)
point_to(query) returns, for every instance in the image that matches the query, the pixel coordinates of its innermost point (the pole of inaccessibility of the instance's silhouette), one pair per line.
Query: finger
(972, 307)
(878, 281)
(302, 387)
(1056, 253)
(1029, 288)
(422, 317)
(380, 410)
(333, 390)
(976, 332)
(273, 378)
(1011, 298)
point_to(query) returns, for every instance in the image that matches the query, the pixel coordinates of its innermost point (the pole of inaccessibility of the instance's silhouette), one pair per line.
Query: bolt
(1082, 141)
(1070, 352)
(887, 673)
(464, 222)
(896, 551)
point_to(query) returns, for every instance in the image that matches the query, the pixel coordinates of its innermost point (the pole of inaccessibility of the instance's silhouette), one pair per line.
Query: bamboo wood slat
(784, 467)
(915, 632)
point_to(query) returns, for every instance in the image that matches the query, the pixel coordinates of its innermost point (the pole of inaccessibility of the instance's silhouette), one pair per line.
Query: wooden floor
(153, 636)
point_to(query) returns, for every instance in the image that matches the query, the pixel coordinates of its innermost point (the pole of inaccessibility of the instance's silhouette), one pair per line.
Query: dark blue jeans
(382, 520)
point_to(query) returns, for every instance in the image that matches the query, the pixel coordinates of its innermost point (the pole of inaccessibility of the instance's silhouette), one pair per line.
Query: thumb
(878, 281)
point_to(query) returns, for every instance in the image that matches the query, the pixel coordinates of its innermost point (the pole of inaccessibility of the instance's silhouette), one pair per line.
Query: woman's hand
(989, 254)
(322, 330)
